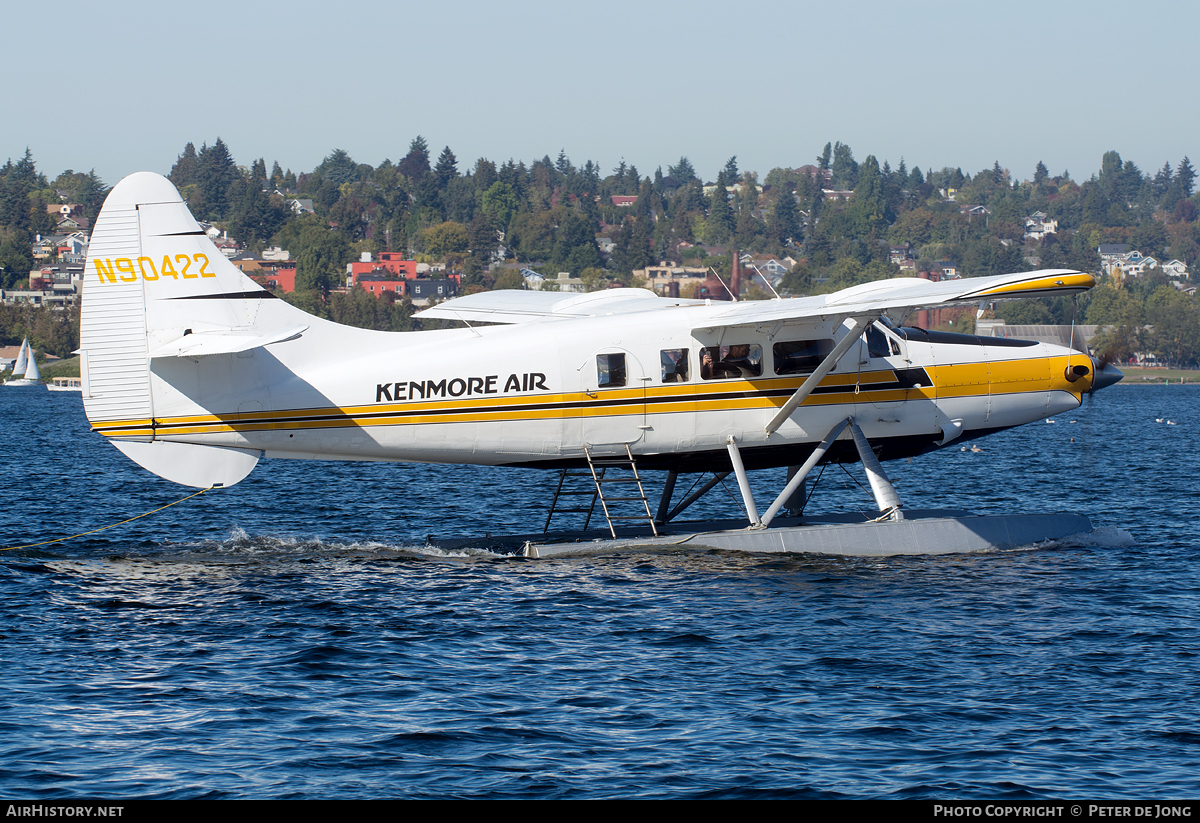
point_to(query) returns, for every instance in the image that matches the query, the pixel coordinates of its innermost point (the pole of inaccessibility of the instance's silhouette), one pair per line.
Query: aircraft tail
(155, 287)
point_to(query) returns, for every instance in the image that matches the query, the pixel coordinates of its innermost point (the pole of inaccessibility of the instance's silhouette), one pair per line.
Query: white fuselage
(539, 393)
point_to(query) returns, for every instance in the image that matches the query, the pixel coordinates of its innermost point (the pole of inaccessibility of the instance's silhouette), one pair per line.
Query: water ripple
(296, 636)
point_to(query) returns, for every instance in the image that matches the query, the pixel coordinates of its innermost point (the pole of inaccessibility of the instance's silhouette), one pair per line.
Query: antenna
(768, 282)
(722, 282)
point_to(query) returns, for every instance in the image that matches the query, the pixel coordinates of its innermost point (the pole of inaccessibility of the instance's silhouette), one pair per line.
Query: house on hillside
(1038, 225)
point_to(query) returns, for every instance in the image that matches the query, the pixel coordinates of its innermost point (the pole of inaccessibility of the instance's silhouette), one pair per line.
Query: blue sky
(122, 86)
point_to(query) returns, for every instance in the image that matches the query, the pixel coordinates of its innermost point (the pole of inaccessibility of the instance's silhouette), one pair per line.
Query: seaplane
(196, 372)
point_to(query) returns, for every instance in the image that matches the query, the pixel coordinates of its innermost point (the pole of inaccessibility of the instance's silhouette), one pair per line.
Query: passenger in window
(674, 365)
(743, 360)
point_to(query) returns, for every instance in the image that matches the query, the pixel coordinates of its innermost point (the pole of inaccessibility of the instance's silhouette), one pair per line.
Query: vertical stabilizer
(154, 282)
(112, 329)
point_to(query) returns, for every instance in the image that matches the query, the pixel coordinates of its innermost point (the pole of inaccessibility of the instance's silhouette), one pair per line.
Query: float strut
(665, 500)
(743, 483)
(692, 498)
(885, 493)
(798, 478)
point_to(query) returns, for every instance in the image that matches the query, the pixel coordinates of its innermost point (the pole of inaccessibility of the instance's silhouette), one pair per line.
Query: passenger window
(800, 356)
(610, 370)
(719, 362)
(674, 365)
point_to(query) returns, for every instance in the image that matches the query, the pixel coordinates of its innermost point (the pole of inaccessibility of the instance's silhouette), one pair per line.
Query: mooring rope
(110, 526)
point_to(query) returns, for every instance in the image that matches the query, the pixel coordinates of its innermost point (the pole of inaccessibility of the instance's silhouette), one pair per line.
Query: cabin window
(800, 356)
(720, 362)
(674, 365)
(879, 344)
(610, 370)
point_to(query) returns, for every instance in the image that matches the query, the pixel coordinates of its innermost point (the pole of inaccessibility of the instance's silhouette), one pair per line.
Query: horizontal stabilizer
(189, 464)
(199, 344)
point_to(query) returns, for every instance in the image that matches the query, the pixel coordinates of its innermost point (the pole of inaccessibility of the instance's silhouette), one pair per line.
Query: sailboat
(21, 362)
(26, 361)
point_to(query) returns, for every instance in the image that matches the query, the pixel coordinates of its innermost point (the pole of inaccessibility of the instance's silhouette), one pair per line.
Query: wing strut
(856, 326)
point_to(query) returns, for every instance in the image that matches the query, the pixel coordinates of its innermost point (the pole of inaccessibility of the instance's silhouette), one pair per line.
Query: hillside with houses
(362, 244)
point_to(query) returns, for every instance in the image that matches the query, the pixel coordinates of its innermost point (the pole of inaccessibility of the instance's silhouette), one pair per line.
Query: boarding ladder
(614, 492)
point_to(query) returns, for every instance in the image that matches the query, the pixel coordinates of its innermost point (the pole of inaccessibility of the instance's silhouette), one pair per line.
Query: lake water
(290, 637)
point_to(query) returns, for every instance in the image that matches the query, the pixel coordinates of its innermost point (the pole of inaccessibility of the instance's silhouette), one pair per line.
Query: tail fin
(156, 286)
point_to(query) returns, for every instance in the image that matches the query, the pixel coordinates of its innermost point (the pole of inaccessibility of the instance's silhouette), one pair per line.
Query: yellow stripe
(957, 380)
(1066, 281)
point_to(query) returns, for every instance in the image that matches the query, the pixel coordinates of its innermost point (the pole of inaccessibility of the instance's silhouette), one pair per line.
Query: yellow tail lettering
(105, 273)
(142, 261)
(125, 266)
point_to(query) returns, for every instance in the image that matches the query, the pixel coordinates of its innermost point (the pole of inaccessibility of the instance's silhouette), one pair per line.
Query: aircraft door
(613, 411)
(900, 393)
(883, 356)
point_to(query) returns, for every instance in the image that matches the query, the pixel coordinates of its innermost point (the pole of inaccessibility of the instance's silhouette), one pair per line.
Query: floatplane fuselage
(195, 371)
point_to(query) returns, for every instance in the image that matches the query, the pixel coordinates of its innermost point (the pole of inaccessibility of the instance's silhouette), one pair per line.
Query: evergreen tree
(824, 159)
(484, 175)
(591, 177)
(415, 164)
(1163, 180)
(869, 205)
(784, 220)
(563, 164)
(446, 169)
(90, 194)
(1040, 174)
(184, 170)
(682, 171)
(16, 261)
(1185, 176)
(844, 168)
(215, 174)
(258, 173)
(632, 249)
(338, 168)
(633, 179)
(721, 221)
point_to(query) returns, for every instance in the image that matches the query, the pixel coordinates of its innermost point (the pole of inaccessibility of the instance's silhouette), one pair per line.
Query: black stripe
(237, 295)
(181, 233)
(957, 339)
(907, 379)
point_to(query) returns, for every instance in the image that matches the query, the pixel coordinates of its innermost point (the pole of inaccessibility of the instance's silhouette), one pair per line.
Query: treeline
(547, 214)
(49, 331)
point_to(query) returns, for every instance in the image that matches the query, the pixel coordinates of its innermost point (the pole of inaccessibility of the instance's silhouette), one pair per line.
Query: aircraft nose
(1104, 375)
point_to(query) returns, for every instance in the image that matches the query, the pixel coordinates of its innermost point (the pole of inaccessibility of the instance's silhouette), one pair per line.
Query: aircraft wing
(899, 294)
(903, 294)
